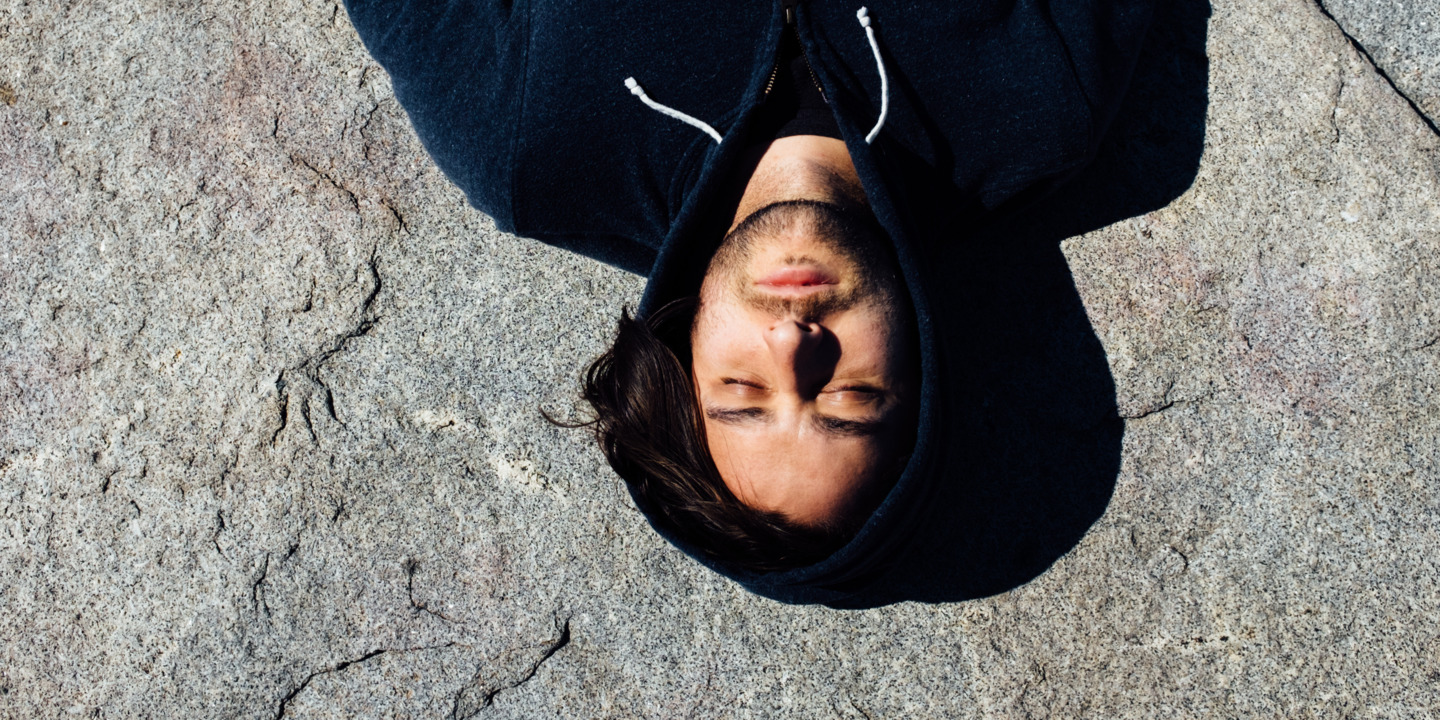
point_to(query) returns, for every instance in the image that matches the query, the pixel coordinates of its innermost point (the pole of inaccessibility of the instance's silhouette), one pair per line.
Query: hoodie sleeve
(458, 69)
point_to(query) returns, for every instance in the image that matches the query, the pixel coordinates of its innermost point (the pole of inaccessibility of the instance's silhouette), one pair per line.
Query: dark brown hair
(650, 427)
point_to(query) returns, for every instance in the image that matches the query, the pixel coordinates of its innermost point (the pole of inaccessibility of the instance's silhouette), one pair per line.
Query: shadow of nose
(800, 350)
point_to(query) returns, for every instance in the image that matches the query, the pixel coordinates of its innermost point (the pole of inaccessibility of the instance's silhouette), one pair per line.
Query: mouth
(797, 281)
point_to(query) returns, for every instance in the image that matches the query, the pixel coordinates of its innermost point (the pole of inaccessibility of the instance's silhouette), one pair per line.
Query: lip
(803, 280)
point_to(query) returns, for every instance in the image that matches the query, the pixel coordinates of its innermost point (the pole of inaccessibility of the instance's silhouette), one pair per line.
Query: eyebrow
(737, 416)
(848, 428)
(824, 423)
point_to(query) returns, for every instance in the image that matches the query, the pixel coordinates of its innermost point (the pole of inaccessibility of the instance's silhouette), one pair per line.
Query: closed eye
(848, 394)
(865, 389)
(743, 389)
(746, 383)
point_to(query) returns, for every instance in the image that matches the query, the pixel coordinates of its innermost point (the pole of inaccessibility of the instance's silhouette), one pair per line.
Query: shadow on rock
(1032, 440)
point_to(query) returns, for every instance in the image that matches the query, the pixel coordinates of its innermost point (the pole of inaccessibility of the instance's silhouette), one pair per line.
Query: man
(779, 171)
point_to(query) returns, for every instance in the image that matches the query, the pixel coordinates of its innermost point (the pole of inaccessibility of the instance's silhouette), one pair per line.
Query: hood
(844, 577)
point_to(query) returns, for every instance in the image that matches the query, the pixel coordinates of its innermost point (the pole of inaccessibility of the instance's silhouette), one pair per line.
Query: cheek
(717, 326)
(722, 454)
(871, 339)
(702, 332)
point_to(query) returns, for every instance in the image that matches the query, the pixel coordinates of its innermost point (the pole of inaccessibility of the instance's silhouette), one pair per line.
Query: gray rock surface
(1403, 38)
(271, 444)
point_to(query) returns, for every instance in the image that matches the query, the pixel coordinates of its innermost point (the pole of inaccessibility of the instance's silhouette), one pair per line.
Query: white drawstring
(639, 92)
(864, 16)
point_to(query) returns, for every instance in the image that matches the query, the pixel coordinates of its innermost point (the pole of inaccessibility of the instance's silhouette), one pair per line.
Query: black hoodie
(526, 106)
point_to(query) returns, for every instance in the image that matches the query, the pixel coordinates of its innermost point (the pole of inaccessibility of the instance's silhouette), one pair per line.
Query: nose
(796, 347)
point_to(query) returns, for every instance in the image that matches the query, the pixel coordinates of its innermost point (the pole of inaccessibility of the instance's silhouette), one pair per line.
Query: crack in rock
(290, 696)
(1166, 405)
(471, 699)
(303, 382)
(1166, 402)
(1335, 108)
(219, 528)
(856, 707)
(478, 696)
(1376, 67)
(411, 567)
(257, 591)
(332, 182)
(1184, 559)
(860, 710)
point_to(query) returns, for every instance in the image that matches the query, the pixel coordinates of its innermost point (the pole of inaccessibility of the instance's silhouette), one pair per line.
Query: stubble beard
(872, 275)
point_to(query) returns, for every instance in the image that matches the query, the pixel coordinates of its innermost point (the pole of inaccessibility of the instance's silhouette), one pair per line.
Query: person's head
(764, 420)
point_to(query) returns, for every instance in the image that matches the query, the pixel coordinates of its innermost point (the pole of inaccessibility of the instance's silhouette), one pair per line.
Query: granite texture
(1402, 37)
(271, 441)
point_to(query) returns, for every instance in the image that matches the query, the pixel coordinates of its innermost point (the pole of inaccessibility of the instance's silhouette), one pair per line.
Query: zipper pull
(789, 6)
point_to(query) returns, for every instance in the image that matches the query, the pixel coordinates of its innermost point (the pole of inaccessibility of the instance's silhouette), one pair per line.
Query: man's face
(802, 362)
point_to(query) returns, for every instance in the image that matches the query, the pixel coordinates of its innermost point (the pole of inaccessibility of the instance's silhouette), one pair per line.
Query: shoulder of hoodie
(497, 90)
(457, 68)
(1017, 82)
(528, 93)
(994, 94)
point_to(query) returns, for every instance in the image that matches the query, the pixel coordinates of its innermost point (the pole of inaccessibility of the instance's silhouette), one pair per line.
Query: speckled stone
(271, 441)
(1403, 38)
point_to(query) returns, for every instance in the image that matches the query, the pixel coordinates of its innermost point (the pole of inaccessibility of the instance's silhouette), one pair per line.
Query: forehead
(808, 476)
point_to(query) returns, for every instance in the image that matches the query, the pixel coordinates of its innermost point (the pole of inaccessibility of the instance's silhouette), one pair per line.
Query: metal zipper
(811, 68)
(789, 6)
(775, 69)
